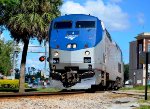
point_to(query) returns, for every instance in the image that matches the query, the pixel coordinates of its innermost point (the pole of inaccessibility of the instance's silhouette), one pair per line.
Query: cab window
(62, 25)
(85, 24)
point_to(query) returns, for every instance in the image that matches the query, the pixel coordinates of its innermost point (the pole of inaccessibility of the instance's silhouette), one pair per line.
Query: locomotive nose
(71, 35)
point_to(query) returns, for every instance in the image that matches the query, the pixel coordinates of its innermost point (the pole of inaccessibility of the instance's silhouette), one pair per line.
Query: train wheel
(93, 88)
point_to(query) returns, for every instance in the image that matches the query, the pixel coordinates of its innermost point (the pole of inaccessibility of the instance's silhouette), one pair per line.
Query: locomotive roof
(75, 17)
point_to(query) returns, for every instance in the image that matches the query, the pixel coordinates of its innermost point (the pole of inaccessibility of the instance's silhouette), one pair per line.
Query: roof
(75, 17)
(143, 35)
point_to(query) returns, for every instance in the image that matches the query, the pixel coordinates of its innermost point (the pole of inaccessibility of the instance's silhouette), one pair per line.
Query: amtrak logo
(71, 36)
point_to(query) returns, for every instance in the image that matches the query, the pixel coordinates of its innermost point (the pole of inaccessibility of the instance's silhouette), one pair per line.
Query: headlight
(74, 46)
(87, 53)
(56, 53)
(69, 46)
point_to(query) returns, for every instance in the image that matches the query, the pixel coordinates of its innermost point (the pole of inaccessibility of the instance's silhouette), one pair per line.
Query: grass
(48, 90)
(144, 104)
(135, 88)
(145, 101)
(144, 107)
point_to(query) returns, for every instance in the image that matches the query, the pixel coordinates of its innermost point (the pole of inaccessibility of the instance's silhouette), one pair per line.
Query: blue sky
(32, 58)
(124, 19)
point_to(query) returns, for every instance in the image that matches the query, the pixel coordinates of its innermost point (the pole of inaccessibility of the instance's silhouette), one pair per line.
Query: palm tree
(28, 19)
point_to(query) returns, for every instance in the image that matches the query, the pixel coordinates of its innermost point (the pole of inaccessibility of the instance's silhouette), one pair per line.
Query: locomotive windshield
(62, 25)
(85, 24)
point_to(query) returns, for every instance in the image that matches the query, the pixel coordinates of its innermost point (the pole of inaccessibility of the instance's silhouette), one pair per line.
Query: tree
(27, 19)
(6, 50)
(126, 72)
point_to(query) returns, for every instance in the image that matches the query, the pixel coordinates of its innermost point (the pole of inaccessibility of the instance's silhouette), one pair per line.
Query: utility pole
(134, 78)
(144, 59)
(14, 60)
(45, 56)
(146, 75)
(14, 64)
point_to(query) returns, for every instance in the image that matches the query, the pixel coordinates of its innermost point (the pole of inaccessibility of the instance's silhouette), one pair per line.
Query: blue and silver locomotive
(82, 53)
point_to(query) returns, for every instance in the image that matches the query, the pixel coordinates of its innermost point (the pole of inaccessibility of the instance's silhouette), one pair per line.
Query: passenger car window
(62, 25)
(85, 24)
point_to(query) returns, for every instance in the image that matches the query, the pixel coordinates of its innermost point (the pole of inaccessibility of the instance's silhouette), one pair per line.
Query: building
(136, 69)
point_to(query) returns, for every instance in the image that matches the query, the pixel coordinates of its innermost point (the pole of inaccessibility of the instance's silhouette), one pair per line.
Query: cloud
(72, 7)
(32, 47)
(110, 13)
(34, 62)
(32, 58)
(141, 18)
(115, 1)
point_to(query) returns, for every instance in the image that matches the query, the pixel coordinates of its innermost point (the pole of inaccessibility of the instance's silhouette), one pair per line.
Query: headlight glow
(74, 46)
(56, 53)
(87, 53)
(69, 46)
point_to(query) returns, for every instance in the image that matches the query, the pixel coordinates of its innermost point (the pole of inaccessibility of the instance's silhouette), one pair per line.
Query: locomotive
(82, 54)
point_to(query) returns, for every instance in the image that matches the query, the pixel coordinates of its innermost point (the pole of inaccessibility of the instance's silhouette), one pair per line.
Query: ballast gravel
(100, 100)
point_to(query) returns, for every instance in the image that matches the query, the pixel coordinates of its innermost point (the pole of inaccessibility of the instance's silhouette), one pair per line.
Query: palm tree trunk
(22, 67)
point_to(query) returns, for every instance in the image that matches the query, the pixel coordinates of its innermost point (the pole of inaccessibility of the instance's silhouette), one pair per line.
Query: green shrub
(10, 84)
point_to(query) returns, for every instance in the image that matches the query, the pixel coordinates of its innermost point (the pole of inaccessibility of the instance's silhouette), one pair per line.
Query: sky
(124, 19)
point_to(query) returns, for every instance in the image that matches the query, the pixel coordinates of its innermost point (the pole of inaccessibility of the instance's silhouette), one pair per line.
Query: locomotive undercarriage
(71, 75)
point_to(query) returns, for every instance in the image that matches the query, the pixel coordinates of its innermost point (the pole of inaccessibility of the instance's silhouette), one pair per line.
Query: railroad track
(130, 93)
(64, 92)
(39, 93)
